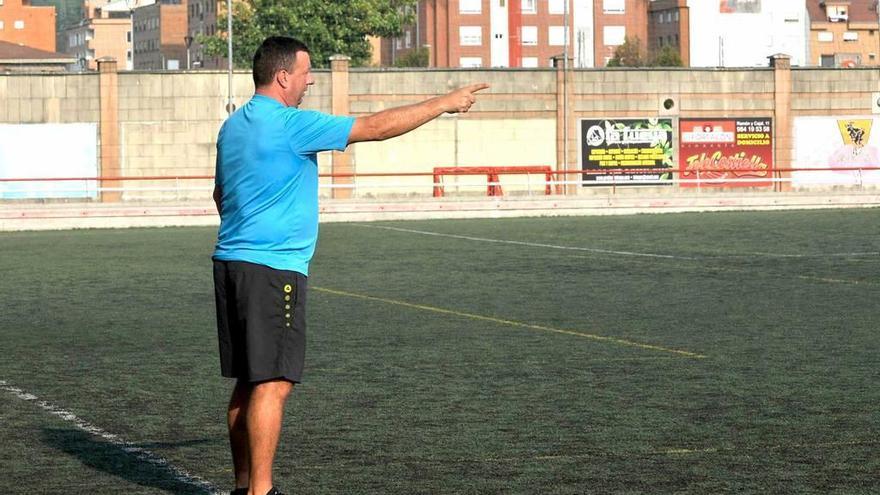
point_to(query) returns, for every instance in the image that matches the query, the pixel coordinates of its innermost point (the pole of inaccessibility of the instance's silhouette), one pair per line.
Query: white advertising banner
(844, 150)
(44, 151)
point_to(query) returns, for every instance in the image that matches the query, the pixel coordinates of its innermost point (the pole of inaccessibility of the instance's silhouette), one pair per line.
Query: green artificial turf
(675, 353)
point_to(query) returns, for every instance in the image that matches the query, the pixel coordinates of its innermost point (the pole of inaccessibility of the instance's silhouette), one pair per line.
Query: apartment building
(205, 17)
(160, 36)
(67, 13)
(24, 24)
(844, 33)
(519, 33)
(669, 25)
(615, 21)
(104, 31)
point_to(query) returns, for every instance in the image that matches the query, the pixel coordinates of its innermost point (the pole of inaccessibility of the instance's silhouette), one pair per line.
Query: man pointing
(266, 190)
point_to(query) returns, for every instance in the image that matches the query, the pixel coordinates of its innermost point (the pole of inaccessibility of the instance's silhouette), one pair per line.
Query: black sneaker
(274, 491)
(239, 491)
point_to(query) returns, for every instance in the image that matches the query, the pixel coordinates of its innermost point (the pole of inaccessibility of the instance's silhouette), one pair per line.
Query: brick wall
(173, 31)
(634, 19)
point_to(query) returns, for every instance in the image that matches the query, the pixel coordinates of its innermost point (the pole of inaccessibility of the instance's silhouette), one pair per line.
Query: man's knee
(279, 388)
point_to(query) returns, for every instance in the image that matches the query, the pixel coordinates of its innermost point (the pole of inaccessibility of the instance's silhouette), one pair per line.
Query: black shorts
(261, 321)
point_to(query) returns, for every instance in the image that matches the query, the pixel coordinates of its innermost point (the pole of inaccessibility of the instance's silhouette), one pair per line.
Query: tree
(326, 27)
(667, 57)
(417, 57)
(629, 54)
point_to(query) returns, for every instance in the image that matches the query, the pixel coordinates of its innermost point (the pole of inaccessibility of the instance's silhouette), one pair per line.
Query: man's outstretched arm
(396, 121)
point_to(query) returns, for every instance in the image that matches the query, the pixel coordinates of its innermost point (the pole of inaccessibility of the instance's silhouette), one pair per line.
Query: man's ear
(281, 78)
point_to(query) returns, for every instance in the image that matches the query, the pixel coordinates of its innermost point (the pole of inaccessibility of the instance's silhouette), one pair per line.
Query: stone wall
(165, 123)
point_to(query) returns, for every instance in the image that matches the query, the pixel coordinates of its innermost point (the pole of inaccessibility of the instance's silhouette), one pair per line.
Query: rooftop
(13, 51)
(858, 10)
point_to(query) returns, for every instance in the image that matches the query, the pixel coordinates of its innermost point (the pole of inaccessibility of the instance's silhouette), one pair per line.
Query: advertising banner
(626, 150)
(847, 148)
(725, 152)
(48, 151)
(740, 7)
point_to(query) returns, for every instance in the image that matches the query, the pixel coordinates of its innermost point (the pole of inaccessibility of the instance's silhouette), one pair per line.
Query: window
(850, 36)
(826, 36)
(529, 35)
(408, 41)
(1, 22)
(557, 36)
(614, 6)
(470, 35)
(557, 6)
(676, 16)
(128, 36)
(836, 13)
(470, 62)
(827, 61)
(530, 62)
(529, 6)
(18, 25)
(614, 35)
(470, 6)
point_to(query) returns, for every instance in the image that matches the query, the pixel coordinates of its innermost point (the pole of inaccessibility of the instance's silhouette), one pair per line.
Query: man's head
(282, 66)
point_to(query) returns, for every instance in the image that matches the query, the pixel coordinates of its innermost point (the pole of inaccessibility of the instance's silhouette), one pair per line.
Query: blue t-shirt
(267, 171)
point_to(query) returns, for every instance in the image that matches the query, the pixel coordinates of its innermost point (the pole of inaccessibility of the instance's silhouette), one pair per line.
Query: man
(267, 195)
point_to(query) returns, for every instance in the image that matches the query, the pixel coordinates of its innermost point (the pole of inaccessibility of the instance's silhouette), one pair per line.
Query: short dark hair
(274, 54)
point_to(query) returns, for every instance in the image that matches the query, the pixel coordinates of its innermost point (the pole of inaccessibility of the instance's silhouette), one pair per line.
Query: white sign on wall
(846, 149)
(42, 151)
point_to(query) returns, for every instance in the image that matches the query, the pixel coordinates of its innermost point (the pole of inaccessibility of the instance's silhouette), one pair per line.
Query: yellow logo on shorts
(288, 288)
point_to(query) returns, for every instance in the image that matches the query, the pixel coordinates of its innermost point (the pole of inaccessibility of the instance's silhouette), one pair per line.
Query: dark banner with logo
(725, 152)
(626, 150)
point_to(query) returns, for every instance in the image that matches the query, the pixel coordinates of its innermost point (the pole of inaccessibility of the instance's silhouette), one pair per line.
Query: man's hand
(460, 100)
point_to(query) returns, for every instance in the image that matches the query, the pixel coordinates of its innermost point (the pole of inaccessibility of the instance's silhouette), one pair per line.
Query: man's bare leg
(264, 414)
(236, 416)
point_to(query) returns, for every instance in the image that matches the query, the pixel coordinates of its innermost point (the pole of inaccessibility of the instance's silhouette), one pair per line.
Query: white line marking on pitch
(139, 452)
(531, 244)
(625, 253)
(783, 255)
